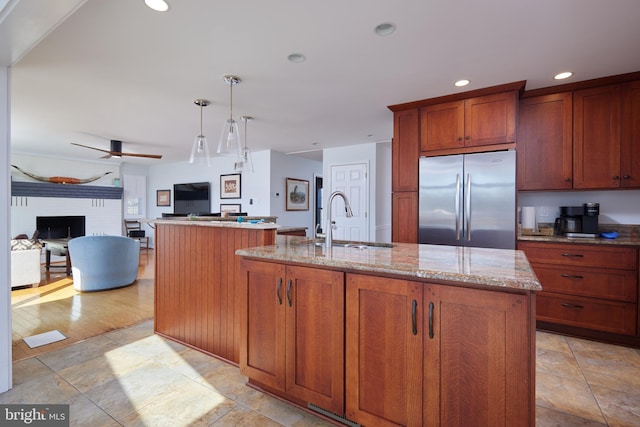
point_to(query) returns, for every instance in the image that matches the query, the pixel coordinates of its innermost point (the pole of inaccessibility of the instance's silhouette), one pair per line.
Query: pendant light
(200, 148)
(230, 144)
(246, 162)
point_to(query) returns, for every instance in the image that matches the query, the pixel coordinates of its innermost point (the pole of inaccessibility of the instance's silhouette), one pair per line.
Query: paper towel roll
(529, 217)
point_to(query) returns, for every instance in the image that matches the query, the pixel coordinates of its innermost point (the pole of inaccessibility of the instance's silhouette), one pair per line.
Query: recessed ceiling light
(564, 75)
(384, 29)
(157, 5)
(461, 83)
(296, 58)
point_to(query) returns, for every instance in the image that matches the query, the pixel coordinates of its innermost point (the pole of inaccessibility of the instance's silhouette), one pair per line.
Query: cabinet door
(478, 358)
(404, 217)
(545, 140)
(490, 119)
(262, 352)
(630, 153)
(315, 336)
(596, 137)
(404, 151)
(442, 126)
(384, 351)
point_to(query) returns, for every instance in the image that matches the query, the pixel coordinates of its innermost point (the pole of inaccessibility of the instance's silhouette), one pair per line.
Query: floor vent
(331, 415)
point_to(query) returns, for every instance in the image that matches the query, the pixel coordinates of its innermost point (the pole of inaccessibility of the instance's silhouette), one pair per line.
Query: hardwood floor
(56, 305)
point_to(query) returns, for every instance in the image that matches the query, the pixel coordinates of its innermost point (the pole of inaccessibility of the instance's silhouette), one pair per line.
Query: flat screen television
(191, 198)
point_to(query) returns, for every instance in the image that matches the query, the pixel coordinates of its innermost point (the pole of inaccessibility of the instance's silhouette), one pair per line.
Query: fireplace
(60, 227)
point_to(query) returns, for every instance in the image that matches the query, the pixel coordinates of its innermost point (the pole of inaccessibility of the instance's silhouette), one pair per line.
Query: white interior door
(353, 180)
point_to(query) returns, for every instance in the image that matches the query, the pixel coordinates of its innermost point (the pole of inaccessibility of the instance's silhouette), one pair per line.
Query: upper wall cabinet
(404, 150)
(630, 149)
(596, 137)
(480, 121)
(606, 153)
(544, 148)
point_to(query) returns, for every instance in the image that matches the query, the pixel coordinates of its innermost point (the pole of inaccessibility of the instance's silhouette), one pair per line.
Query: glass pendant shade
(230, 144)
(200, 148)
(200, 151)
(245, 162)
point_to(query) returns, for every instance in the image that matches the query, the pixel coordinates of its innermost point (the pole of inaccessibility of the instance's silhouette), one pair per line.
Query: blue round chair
(99, 263)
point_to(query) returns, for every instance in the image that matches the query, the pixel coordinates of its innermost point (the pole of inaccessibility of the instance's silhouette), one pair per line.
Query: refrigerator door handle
(457, 207)
(467, 208)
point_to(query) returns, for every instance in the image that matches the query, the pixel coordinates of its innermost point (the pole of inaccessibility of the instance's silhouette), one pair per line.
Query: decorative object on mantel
(200, 148)
(245, 164)
(116, 151)
(61, 179)
(230, 186)
(297, 192)
(230, 144)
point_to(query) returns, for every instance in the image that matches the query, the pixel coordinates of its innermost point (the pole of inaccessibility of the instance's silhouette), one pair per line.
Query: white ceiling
(118, 70)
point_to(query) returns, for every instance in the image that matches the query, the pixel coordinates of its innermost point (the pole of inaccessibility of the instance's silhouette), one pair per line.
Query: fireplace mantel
(77, 191)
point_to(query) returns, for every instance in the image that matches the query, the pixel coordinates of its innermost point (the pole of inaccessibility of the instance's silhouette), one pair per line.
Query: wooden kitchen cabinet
(294, 329)
(404, 214)
(384, 351)
(467, 354)
(479, 121)
(479, 360)
(596, 137)
(630, 152)
(545, 142)
(404, 150)
(591, 287)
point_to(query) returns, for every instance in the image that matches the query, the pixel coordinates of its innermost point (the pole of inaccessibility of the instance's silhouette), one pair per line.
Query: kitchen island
(402, 335)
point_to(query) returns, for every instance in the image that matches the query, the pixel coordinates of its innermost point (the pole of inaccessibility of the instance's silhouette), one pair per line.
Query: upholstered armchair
(25, 262)
(103, 262)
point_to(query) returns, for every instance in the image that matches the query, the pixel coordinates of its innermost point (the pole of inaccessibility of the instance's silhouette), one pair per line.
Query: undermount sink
(349, 244)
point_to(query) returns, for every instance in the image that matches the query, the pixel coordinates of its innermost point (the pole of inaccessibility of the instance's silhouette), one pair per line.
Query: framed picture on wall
(297, 192)
(230, 186)
(230, 208)
(163, 198)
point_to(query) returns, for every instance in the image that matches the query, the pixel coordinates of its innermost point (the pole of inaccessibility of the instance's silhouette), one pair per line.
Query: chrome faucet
(348, 212)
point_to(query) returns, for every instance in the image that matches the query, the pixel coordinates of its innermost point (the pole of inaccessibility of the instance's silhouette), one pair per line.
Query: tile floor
(132, 377)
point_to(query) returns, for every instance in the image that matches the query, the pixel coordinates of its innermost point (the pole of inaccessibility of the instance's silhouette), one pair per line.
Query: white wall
(616, 206)
(382, 189)
(285, 166)
(254, 186)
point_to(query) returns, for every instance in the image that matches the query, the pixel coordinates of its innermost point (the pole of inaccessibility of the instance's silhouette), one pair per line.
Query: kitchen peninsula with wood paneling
(399, 334)
(198, 298)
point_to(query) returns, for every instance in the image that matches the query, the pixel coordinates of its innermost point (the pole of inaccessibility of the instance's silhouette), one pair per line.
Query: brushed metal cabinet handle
(569, 276)
(278, 291)
(573, 255)
(289, 292)
(431, 320)
(414, 321)
(576, 306)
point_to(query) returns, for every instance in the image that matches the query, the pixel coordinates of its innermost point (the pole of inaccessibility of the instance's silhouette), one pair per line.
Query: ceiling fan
(116, 151)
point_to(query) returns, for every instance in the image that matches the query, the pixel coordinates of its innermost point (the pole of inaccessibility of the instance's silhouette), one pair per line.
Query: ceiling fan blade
(93, 148)
(150, 156)
(118, 153)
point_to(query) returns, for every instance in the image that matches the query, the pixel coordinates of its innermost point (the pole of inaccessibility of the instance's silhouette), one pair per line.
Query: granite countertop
(225, 222)
(496, 268)
(629, 235)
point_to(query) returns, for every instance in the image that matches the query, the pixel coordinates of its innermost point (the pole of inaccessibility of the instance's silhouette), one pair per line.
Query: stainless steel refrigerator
(469, 200)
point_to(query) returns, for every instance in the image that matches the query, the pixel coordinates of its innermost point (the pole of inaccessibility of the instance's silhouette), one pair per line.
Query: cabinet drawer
(621, 285)
(581, 255)
(601, 315)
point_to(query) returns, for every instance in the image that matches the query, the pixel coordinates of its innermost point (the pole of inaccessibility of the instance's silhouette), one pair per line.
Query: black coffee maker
(578, 221)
